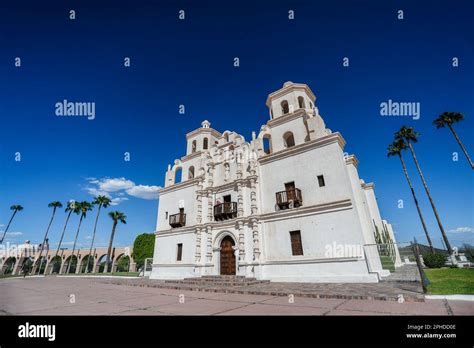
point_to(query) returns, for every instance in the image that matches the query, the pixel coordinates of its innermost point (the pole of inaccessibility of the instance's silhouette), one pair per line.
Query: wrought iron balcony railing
(178, 220)
(224, 211)
(290, 198)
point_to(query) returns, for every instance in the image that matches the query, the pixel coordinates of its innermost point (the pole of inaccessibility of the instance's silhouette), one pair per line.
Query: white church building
(286, 206)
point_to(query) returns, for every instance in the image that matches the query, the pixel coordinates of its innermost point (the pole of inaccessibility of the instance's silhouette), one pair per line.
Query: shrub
(143, 248)
(434, 260)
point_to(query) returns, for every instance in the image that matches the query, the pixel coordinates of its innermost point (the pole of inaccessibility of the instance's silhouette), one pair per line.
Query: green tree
(395, 149)
(16, 208)
(143, 247)
(55, 205)
(80, 208)
(448, 119)
(123, 264)
(409, 135)
(100, 201)
(116, 216)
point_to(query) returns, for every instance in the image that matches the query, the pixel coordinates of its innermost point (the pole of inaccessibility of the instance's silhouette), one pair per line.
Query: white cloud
(118, 200)
(144, 191)
(115, 184)
(13, 234)
(462, 230)
(117, 189)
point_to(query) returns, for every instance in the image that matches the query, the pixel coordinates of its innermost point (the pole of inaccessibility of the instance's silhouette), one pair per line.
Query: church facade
(287, 206)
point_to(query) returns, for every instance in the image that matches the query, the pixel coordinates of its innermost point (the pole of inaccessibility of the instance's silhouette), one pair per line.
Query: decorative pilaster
(210, 204)
(256, 241)
(199, 207)
(240, 200)
(209, 244)
(253, 183)
(239, 167)
(240, 227)
(253, 196)
(198, 245)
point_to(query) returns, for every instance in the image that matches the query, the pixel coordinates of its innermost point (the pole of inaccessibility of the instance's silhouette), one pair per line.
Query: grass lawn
(9, 276)
(450, 281)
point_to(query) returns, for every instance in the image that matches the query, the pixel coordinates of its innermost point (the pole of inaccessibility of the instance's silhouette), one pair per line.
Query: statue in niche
(226, 171)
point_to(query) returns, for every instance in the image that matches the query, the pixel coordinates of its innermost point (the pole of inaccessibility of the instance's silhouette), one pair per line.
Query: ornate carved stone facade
(265, 199)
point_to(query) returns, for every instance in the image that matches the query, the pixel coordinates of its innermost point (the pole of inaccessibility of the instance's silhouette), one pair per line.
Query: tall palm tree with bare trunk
(55, 205)
(70, 207)
(100, 201)
(116, 216)
(81, 208)
(409, 135)
(16, 208)
(395, 149)
(448, 119)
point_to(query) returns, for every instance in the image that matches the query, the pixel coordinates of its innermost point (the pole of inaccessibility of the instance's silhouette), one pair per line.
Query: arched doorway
(8, 266)
(227, 258)
(54, 266)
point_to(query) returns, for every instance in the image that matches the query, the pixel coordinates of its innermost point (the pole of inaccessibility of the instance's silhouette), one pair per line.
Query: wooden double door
(227, 261)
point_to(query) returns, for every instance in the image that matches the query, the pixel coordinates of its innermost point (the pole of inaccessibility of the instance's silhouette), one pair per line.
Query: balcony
(224, 211)
(178, 220)
(290, 198)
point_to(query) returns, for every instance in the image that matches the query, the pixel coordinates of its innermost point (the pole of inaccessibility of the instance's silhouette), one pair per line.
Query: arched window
(191, 172)
(289, 139)
(301, 102)
(284, 107)
(310, 105)
(178, 174)
(204, 144)
(193, 146)
(226, 136)
(267, 144)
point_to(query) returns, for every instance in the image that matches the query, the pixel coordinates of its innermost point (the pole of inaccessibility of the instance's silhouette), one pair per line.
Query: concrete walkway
(86, 296)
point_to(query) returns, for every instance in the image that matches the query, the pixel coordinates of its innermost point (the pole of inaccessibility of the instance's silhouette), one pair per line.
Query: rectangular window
(227, 198)
(296, 246)
(180, 252)
(166, 215)
(321, 181)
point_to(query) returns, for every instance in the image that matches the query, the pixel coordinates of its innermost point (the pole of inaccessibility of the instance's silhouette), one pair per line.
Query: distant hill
(423, 249)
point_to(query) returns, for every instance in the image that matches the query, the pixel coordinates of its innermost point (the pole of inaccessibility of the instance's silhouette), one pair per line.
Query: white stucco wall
(304, 169)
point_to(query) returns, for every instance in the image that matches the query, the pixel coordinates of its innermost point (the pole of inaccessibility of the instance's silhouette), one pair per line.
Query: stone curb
(450, 297)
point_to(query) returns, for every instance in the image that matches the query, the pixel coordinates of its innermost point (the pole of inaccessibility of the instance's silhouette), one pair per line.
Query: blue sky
(190, 62)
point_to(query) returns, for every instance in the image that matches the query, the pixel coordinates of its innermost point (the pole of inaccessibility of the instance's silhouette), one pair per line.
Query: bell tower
(294, 118)
(290, 98)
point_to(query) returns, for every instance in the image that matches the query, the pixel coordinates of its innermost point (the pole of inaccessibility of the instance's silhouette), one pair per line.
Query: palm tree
(395, 149)
(409, 135)
(448, 119)
(71, 206)
(55, 205)
(15, 208)
(116, 216)
(81, 208)
(100, 201)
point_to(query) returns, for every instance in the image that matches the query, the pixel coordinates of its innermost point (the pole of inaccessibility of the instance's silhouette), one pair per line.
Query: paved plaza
(94, 296)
